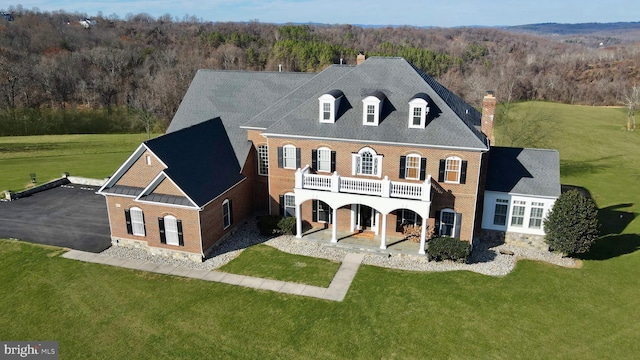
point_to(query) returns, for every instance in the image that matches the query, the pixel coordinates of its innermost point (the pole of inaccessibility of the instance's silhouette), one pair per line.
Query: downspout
(200, 232)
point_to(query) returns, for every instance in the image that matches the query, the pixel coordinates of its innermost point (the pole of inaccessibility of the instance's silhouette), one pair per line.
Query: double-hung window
(452, 170)
(412, 167)
(289, 157)
(535, 218)
(170, 230)
(324, 159)
(517, 214)
(500, 213)
(289, 205)
(371, 114)
(447, 223)
(417, 116)
(326, 111)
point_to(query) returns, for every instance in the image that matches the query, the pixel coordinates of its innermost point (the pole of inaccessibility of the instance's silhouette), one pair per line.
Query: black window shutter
(180, 236)
(314, 159)
(144, 224)
(437, 222)
(463, 172)
(230, 213)
(443, 163)
(403, 166)
(423, 168)
(333, 161)
(127, 217)
(281, 202)
(163, 238)
(298, 156)
(314, 210)
(280, 161)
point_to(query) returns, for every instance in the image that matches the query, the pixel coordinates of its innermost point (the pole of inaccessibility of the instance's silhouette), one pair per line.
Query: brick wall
(459, 197)
(140, 174)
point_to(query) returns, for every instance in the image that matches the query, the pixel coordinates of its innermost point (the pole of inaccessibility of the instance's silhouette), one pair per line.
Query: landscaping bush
(572, 224)
(268, 224)
(448, 248)
(287, 225)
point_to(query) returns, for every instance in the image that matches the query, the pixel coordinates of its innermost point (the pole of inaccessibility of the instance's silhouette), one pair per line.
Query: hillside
(51, 60)
(590, 34)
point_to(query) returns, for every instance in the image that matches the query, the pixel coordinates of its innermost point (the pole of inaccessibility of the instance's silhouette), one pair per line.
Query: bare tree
(631, 101)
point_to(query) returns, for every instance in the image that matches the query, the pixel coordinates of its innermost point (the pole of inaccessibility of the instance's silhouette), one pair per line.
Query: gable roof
(234, 97)
(194, 157)
(524, 171)
(450, 122)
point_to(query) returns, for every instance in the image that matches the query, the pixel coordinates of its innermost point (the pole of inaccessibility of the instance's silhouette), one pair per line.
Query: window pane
(289, 206)
(324, 160)
(447, 220)
(452, 170)
(137, 221)
(371, 113)
(263, 160)
(500, 217)
(412, 167)
(417, 115)
(517, 217)
(326, 109)
(171, 230)
(535, 220)
(289, 157)
(324, 212)
(366, 166)
(226, 219)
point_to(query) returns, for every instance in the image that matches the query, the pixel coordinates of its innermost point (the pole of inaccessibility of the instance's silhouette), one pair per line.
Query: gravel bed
(485, 259)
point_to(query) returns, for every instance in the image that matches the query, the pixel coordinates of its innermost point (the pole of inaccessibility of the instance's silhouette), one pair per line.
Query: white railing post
(386, 187)
(335, 182)
(426, 189)
(298, 184)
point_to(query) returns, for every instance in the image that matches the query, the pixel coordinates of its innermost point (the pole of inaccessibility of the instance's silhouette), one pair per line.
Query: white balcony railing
(382, 188)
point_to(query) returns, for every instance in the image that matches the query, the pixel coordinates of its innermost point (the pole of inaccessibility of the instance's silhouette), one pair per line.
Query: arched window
(171, 230)
(226, 213)
(367, 162)
(135, 221)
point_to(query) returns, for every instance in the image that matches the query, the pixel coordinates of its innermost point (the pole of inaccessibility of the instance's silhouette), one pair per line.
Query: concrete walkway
(336, 291)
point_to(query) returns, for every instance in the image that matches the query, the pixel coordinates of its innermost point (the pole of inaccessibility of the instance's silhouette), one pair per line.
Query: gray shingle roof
(524, 171)
(450, 122)
(235, 97)
(195, 156)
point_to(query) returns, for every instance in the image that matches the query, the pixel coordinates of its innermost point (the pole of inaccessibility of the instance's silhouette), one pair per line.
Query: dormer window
(418, 110)
(329, 105)
(372, 108)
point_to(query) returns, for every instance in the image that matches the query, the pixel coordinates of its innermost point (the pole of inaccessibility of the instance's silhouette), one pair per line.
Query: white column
(334, 225)
(299, 221)
(383, 237)
(423, 235)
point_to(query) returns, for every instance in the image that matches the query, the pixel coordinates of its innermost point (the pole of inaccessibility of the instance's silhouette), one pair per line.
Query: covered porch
(365, 241)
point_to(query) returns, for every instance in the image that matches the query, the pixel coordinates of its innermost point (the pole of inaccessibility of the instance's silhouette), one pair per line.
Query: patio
(363, 241)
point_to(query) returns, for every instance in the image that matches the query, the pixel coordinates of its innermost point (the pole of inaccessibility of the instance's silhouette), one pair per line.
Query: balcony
(383, 188)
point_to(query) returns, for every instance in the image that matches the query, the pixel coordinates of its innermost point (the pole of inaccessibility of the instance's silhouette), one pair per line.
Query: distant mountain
(574, 29)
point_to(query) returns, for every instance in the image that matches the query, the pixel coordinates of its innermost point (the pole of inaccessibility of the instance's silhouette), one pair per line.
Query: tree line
(48, 60)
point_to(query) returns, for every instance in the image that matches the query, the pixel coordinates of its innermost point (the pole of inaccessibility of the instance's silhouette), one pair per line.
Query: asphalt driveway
(71, 216)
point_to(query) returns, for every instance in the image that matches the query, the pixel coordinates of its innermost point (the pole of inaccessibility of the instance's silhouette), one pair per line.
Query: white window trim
(226, 214)
(454, 225)
(536, 205)
(171, 230)
(148, 159)
(291, 196)
(284, 156)
(422, 105)
(446, 170)
(334, 104)
(504, 202)
(518, 204)
(137, 221)
(327, 161)
(356, 161)
(406, 167)
(375, 102)
(263, 160)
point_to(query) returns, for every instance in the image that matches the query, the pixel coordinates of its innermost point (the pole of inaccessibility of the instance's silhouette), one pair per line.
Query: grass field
(48, 156)
(539, 311)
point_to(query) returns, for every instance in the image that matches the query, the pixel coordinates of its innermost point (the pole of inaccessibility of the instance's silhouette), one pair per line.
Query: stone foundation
(166, 253)
(516, 239)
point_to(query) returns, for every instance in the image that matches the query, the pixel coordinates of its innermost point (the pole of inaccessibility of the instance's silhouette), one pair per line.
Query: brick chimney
(488, 111)
(360, 59)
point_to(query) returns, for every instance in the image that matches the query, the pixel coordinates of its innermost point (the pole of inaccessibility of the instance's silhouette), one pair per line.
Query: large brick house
(364, 148)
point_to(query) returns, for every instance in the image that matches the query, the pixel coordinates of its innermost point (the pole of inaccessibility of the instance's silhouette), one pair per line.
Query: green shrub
(287, 225)
(448, 248)
(268, 224)
(572, 224)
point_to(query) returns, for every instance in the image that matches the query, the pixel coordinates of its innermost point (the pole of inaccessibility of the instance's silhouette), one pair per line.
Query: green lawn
(539, 311)
(267, 262)
(94, 156)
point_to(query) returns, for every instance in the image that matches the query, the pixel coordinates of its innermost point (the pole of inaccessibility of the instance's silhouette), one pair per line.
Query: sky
(442, 13)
